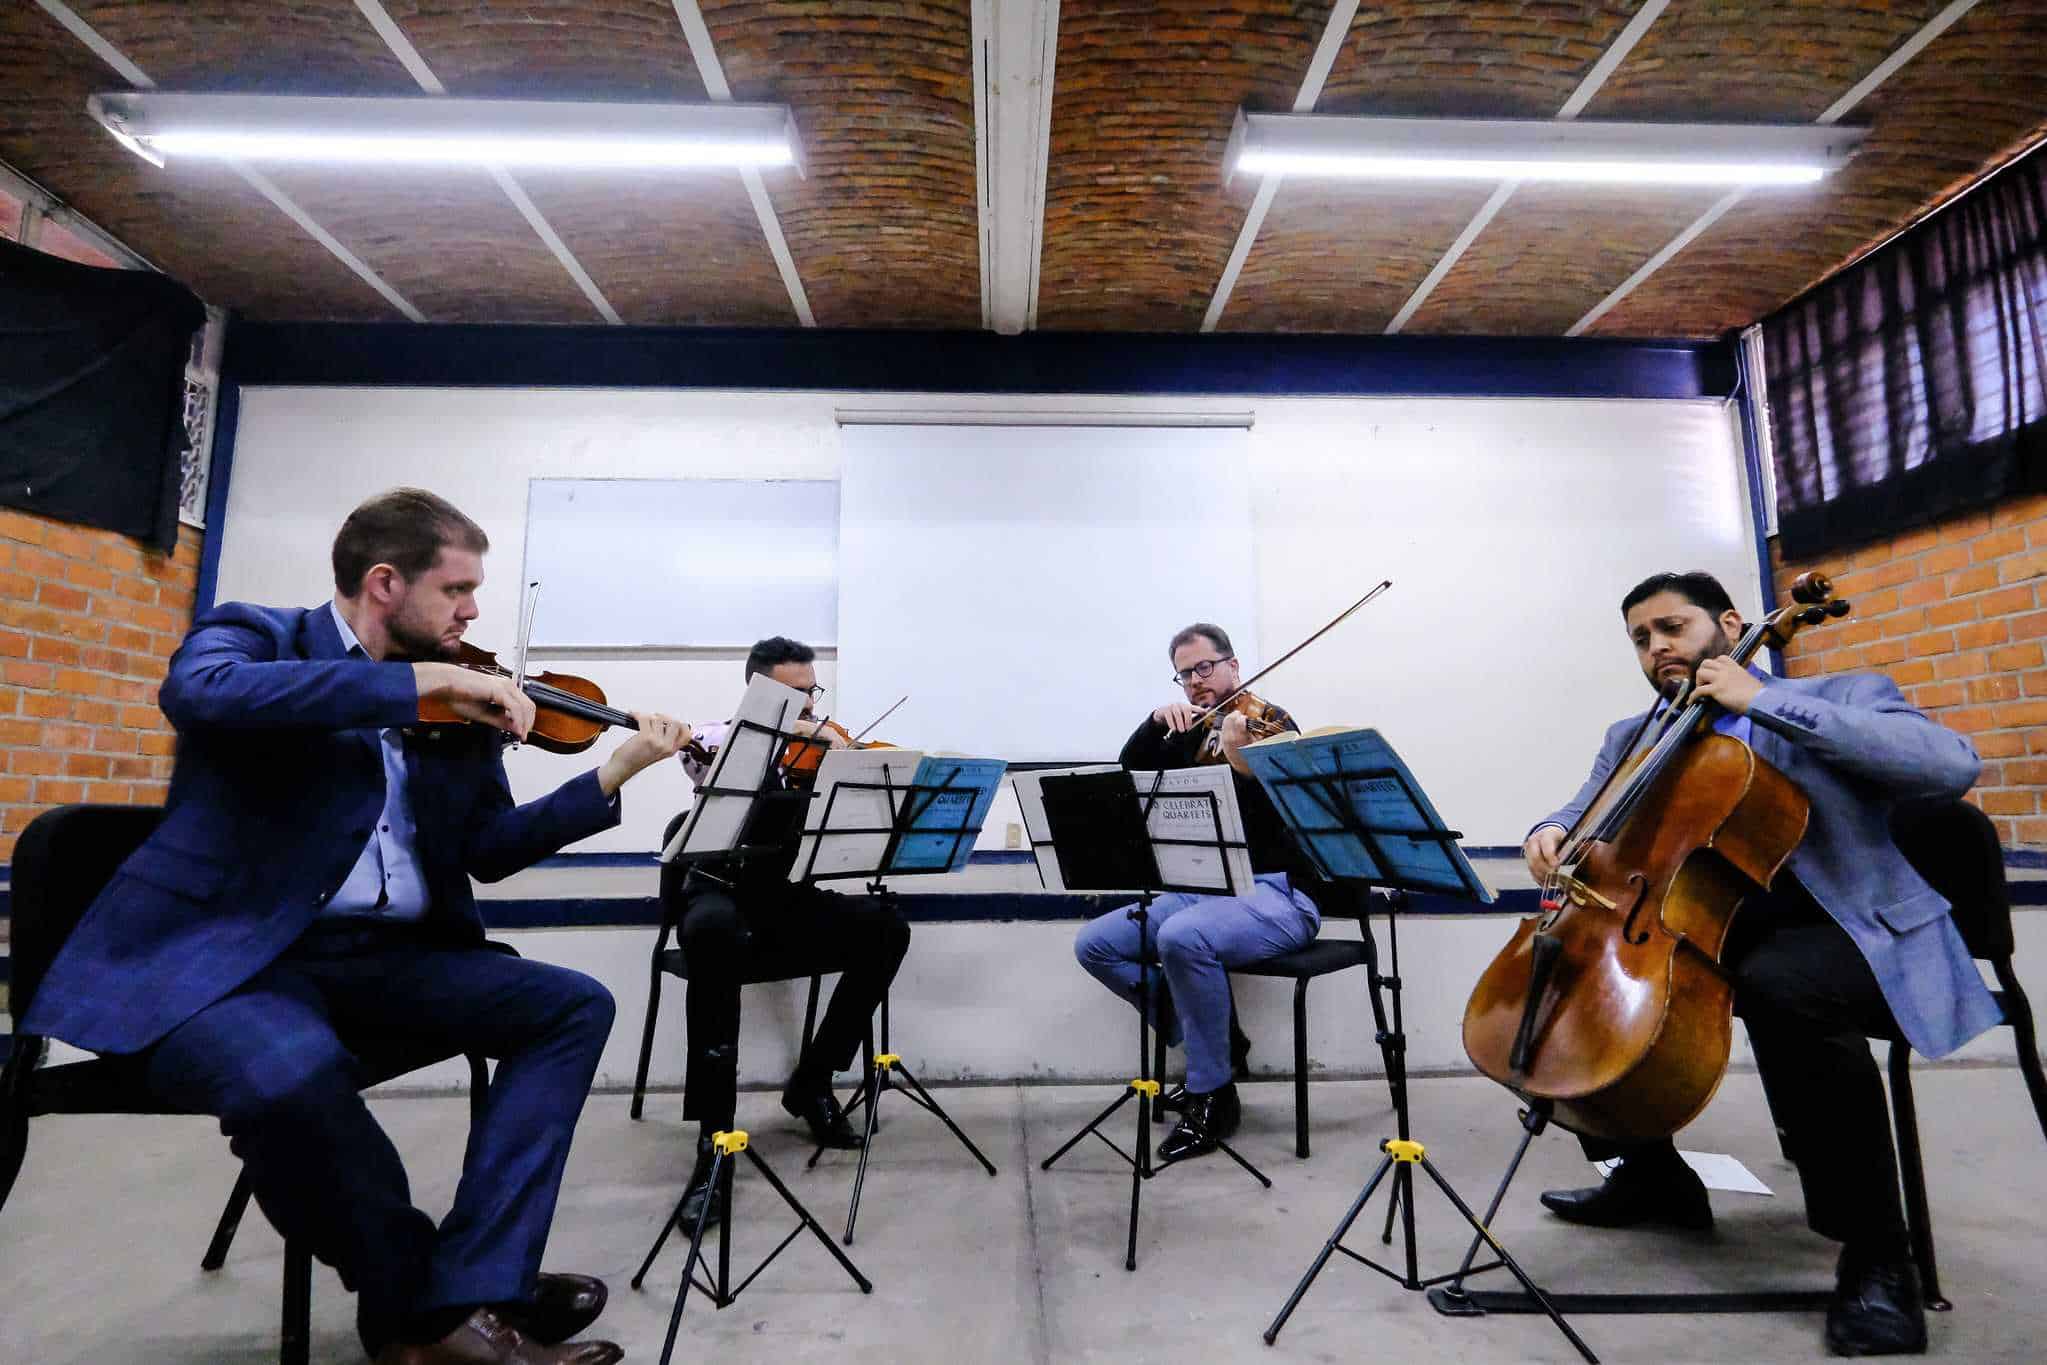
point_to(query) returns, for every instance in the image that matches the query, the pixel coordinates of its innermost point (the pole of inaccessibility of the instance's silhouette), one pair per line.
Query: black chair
(1954, 846)
(1324, 957)
(62, 860)
(665, 960)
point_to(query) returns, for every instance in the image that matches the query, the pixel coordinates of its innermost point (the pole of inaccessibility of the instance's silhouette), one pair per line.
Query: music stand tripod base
(726, 1148)
(880, 1081)
(1405, 1155)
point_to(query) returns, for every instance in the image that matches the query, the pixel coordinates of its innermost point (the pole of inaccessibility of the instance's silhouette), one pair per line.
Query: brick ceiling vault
(1139, 231)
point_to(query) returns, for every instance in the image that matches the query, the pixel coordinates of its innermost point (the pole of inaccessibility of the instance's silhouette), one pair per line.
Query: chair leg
(2018, 1011)
(479, 1086)
(14, 1082)
(1301, 1067)
(647, 1033)
(294, 1346)
(1912, 1168)
(230, 1221)
(810, 1012)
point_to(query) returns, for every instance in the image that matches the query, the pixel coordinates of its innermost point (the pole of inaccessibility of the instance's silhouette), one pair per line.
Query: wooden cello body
(1611, 1006)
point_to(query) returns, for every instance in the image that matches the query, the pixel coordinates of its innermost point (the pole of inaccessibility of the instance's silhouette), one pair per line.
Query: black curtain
(1914, 384)
(92, 366)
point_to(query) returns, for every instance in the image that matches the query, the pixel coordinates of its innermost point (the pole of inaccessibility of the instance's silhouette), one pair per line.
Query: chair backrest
(672, 873)
(1954, 846)
(61, 861)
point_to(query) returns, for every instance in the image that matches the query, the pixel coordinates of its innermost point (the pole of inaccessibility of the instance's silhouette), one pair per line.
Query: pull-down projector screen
(1020, 583)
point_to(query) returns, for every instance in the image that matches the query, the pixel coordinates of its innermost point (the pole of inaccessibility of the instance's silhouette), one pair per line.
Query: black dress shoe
(1639, 1191)
(700, 1191)
(562, 1306)
(1876, 1310)
(1205, 1122)
(820, 1110)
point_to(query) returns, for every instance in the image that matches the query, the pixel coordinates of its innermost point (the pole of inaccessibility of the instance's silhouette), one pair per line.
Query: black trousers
(733, 933)
(1811, 1005)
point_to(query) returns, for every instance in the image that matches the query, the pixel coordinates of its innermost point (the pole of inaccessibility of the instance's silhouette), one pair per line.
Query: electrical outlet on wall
(1012, 835)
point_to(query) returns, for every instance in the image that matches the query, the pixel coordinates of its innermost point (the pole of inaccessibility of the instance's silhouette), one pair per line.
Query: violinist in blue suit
(308, 893)
(1848, 943)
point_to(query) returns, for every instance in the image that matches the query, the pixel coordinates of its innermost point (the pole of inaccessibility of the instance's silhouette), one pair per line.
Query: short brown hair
(402, 527)
(1214, 634)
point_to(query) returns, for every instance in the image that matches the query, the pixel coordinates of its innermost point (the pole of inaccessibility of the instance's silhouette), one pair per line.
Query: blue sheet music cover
(1385, 796)
(970, 785)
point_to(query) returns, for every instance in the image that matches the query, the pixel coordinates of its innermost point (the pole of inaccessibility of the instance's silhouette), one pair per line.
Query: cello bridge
(1582, 894)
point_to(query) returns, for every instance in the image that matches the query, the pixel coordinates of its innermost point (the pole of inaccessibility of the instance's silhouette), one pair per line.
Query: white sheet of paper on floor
(1719, 1170)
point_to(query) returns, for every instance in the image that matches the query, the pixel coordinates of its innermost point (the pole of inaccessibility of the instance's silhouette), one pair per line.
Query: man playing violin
(735, 920)
(1848, 943)
(1198, 939)
(304, 909)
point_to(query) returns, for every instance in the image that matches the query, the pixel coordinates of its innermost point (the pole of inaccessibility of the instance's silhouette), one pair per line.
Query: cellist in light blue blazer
(1849, 943)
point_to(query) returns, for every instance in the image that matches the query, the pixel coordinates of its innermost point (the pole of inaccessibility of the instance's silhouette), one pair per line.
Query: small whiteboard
(675, 563)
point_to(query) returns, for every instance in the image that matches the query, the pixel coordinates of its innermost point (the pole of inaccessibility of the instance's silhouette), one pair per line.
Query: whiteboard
(1021, 583)
(683, 562)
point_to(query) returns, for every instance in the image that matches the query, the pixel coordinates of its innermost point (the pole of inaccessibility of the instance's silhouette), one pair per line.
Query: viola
(568, 712)
(801, 758)
(1610, 1005)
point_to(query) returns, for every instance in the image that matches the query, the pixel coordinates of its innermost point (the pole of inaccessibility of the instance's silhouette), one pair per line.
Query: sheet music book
(969, 790)
(744, 763)
(851, 789)
(1030, 799)
(1384, 794)
(1181, 811)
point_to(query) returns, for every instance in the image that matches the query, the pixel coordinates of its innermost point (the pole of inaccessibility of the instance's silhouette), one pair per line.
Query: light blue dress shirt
(385, 883)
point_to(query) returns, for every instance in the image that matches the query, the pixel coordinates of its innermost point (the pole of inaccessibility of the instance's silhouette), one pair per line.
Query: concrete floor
(100, 1243)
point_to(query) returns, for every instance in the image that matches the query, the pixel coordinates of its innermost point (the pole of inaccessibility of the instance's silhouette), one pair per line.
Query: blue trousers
(281, 1062)
(1198, 939)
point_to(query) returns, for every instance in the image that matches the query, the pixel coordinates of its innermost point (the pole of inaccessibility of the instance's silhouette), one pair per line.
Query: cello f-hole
(1638, 889)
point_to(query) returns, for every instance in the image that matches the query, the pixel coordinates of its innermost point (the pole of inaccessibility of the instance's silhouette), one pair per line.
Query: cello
(1610, 1006)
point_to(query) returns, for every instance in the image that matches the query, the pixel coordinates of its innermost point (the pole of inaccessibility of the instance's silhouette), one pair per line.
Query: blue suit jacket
(278, 780)
(1855, 746)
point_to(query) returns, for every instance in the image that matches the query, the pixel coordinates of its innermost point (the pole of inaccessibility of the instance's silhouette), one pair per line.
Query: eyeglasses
(816, 690)
(1201, 670)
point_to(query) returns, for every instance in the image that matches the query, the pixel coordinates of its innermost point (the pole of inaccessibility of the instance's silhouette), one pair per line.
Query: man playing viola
(736, 920)
(1847, 944)
(305, 906)
(1198, 939)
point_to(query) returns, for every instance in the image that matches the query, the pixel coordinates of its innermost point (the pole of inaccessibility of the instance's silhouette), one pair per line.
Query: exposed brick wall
(88, 620)
(1953, 613)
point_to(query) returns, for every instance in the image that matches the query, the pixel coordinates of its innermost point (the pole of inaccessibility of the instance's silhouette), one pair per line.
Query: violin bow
(1333, 622)
(880, 718)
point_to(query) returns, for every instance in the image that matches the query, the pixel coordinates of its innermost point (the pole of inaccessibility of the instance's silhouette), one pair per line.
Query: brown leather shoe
(484, 1339)
(562, 1306)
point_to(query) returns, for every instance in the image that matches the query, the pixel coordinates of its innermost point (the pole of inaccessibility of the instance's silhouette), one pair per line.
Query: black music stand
(1102, 840)
(1357, 813)
(910, 805)
(759, 834)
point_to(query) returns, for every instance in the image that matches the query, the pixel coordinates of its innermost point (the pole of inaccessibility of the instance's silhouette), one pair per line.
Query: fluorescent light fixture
(1563, 150)
(438, 131)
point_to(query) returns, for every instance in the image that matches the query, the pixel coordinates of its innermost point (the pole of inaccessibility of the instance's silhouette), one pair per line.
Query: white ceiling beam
(1016, 48)
(1334, 31)
(701, 50)
(408, 56)
(1833, 113)
(1609, 61)
(136, 76)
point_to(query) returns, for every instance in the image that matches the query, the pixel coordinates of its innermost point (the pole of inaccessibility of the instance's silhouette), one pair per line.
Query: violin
(801, 759)
(1610, 1006)
(1263, 719)
(568, 712)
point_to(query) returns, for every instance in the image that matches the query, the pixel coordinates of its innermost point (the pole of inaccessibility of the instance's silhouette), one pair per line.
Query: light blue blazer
(1855, 747)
